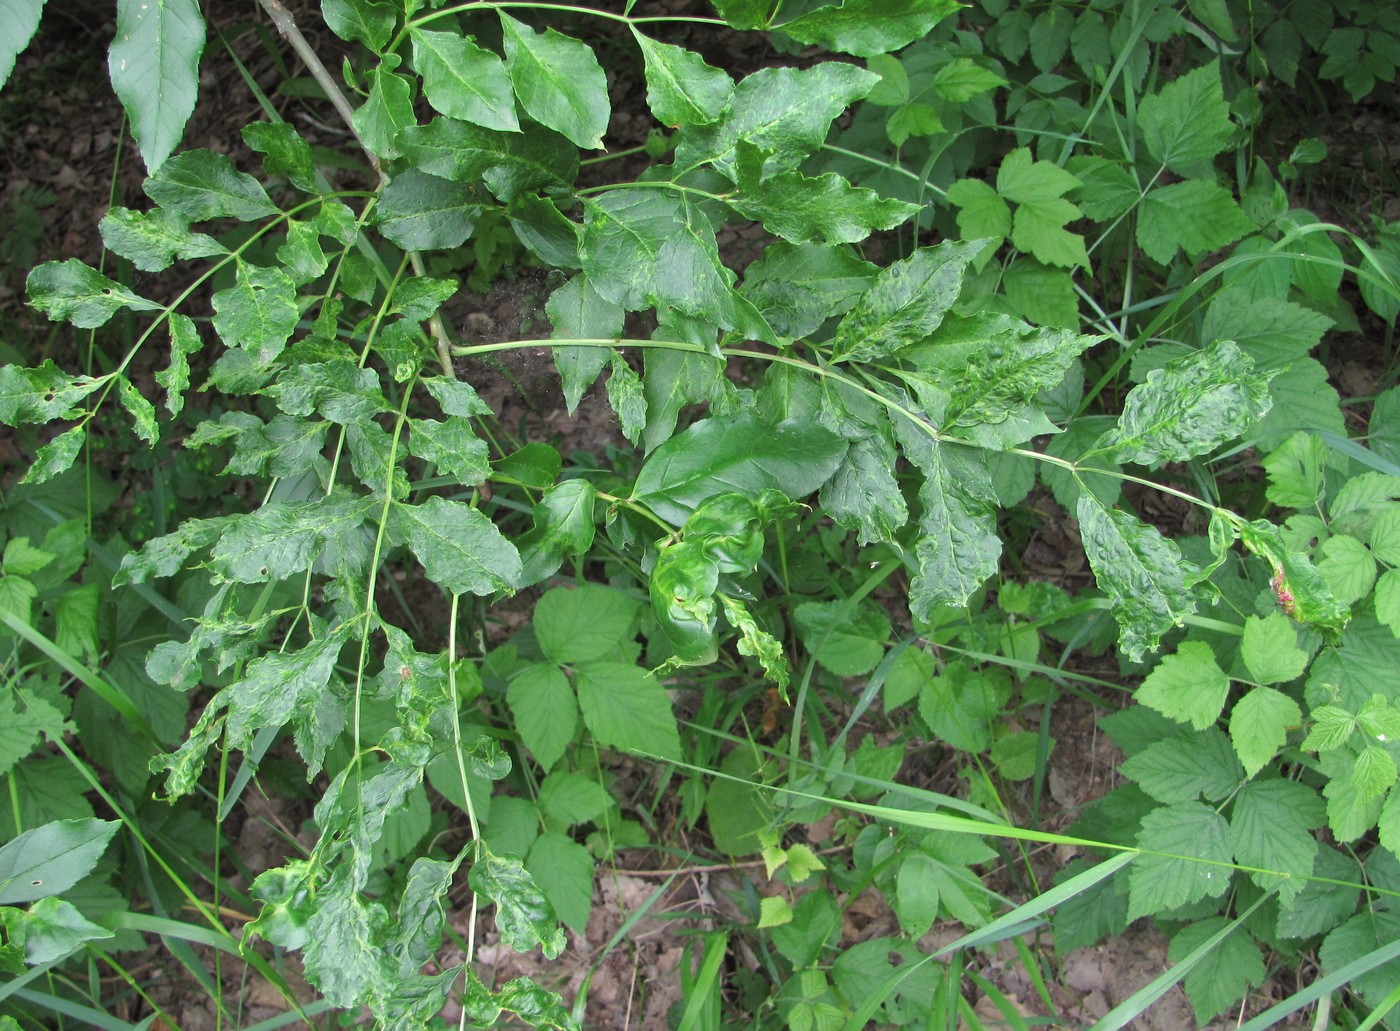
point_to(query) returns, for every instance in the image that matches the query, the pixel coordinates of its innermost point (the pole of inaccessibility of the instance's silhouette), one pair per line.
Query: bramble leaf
(584, 623)
(1195, 215)
(461, 550)
(1188, 686)
(461, 80)
(625, 707)
(1199, 836)
(545, 711)
(70, 291)
(1271, 828)
(154, 65)
(1182, 768)
(558, 80)
(1141, 571)
(201, 185)
(1037, 227)
(563, 870)
(1187, 122)
(1259, 725)
(1270, 650)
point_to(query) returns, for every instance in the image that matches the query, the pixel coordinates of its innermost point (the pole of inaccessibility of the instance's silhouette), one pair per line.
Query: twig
(287, 26)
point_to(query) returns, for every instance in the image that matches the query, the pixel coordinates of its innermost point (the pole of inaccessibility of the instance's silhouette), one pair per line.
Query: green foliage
(519, 661)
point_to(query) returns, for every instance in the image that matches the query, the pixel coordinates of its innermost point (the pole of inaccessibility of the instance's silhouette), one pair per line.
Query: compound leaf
(1187, 121)
(868, 27)
(1141, 571)
(1195, 404)
(154, 65)
(1188, 686)
(1196, 216)
(461, 550)
(1259, 725)
(73, 292)
(201, 185)
(461, 80)
(558, 80)
(625, 707)
(546, 713)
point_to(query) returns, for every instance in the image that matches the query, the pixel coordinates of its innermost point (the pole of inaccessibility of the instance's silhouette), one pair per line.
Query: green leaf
(51, 929)
(280, 539)
(1387, 599)
(735, 453)
(1385, 536)
(563, 869)
(916, 900)
(1348, 568)
(584, 623)
(1187, 687)
(1364, 933)
(1191, 407)
(1373, 773)
(201, 185)
(826, 209)
(546, 714)
(18, 23)
(154, 239)
(1043, 295)
(1196, 216)
(957, 547)
(1295, 470)
(536, 465)
(1259, 726)
(461, 550)
(339, 390)
(1141, 571)
(1190, 830)
(567, 799)
(625, 707)
(563, 524)
(461, 80)
(154, 65)
(524, 915)
(1270, 650)
(682, 586)
(386, 112)
(868, 27)
(142, 412)
(510, 164)
(1271, 829)
(452, 447)
(1235, 964)
(797, 288)
(1272, 331)
(284, 152)
(756, 642)
(72, 292)
(962, 78)
(456, 397)
(1350, 811)
(41, 394)
(258, 313)
(982, 213)
(558, 81)
(849, 640)
(784, 112)
(418, 211)
(1041, 212)
(56, 455)
(47, 860)
(906, 303)
(681, 88)
(1182, 768)
(366, 21)
(912, 120)
(1188, 121)
(960, 705)
(577, 311)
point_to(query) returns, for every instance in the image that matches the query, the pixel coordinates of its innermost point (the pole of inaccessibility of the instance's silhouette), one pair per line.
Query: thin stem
(461, 763)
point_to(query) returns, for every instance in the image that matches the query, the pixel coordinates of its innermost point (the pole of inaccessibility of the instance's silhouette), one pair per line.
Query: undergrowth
(1013, 265)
